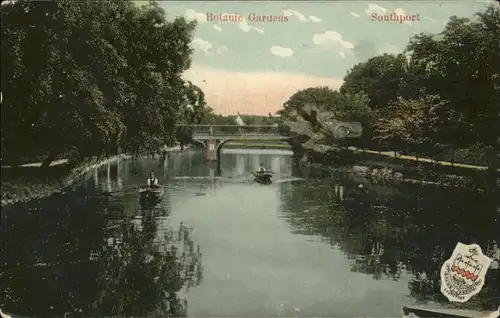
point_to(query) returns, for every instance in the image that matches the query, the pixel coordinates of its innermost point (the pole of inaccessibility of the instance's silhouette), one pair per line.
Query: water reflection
(309, 248)
(97, 255)
(242, 162)
(387, 232)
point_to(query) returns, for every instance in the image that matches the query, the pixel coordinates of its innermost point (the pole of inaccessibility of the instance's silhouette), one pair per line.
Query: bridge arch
(200, 142)
(220, 145)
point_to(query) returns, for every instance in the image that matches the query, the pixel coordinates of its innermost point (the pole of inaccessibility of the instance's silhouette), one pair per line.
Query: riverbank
(31, 182)
(29, 187)
(383, 175)
(397, 155)
(389, 167)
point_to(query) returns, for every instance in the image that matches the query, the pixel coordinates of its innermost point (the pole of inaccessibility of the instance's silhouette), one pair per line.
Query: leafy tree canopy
(88, 77)
(443, 90)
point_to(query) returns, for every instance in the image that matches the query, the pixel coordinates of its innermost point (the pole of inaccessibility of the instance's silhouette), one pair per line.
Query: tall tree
(381, 78)
(461, 65)
(412, 124)
(92, 76)
(319, 96)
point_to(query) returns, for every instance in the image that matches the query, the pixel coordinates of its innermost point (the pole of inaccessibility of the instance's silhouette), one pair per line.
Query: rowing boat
(154, 192)
(151, 195)
(442, 312)
(263, 177)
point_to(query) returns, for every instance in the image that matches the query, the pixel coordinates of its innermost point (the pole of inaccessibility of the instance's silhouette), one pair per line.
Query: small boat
(151, 195)
(263, 177)
(442, 312)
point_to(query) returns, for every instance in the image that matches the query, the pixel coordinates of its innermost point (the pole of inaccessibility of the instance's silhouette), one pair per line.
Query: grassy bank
(22, 182)
(419, 168)
(26, 183)
(391, 168)
(29, 181)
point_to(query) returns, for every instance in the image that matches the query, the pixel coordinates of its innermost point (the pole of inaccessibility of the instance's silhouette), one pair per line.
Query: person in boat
(262, 175)
(262, 169)
(153, 181)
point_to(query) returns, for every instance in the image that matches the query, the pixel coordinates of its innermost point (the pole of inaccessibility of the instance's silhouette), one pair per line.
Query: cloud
(243, 26)
(299, 15)
(207, 47)
(374, 8)
(217, 27)
(400, 11)
(281, 51)
(332, 40)
(222, 49)
(202, 45)
(355, 14)
(192, 15)
(314, 19)
(430, 19)
(251, 92)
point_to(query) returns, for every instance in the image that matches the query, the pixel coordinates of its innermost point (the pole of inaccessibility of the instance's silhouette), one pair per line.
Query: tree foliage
(381, 78)
(461, 65)
(89, 77)
(318, 96)
(443, 90)
(322, 110)
(410, 123)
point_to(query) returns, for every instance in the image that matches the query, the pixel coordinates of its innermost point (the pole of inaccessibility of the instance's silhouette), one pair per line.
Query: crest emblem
(462, 275)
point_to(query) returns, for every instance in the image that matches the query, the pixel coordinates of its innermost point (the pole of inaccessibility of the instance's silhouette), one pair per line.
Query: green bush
(473, 155)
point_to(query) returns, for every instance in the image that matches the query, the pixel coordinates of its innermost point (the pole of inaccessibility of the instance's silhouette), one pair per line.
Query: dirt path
(64, 161)
(39, 164)
(420, 159)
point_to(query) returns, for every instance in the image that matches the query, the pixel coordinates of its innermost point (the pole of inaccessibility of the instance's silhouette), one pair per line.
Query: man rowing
(262, 169)
(153, 181)
(263, 175)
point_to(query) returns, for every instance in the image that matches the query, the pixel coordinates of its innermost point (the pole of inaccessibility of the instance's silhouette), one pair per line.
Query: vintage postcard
(249, 158)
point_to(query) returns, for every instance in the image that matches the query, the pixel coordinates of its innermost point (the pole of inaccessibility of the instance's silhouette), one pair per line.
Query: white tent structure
(239, 121)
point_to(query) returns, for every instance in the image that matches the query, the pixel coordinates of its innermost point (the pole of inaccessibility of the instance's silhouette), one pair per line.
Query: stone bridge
(213, 137)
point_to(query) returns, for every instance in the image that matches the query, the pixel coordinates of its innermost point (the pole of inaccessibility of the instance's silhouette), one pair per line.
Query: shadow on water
(95, 255)
(386, 232)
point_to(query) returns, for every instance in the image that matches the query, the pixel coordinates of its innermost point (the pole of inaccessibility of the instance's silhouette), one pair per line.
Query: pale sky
(253, 67)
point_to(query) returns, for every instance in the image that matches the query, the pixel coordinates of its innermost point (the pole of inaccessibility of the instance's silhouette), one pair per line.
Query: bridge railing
(224, 130)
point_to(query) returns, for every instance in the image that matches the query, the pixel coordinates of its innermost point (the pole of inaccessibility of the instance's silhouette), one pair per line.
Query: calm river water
(230, 248)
